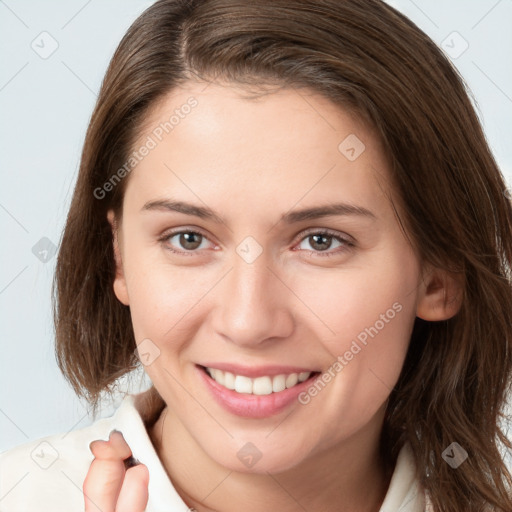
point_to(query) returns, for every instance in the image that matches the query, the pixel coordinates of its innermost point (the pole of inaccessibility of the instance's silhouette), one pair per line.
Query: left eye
(321, 240)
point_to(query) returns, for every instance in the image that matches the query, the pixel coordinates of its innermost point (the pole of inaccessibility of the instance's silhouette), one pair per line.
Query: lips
(250, 404)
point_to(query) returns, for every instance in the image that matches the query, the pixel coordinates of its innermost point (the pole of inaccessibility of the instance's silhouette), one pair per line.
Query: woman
(288, 213)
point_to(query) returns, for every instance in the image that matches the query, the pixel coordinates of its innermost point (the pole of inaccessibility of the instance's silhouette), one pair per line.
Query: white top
(47, 475)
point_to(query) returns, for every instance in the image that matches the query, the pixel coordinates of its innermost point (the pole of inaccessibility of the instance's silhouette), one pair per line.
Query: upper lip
(257, 371)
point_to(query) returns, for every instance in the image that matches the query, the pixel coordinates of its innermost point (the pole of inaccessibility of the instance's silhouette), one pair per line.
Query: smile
(264, 385)
(268, 391)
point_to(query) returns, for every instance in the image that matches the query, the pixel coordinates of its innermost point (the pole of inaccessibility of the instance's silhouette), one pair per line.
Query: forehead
(215, 143)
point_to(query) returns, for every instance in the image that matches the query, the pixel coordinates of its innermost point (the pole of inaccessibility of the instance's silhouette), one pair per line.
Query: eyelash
(348, 245)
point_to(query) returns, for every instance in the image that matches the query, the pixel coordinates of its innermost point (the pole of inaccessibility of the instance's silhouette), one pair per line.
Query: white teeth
(218, 375)
(262, 386)
(279, 383)
(258, 386)
(303, 376)
(242, 384)
(291, 380)
(229, 380)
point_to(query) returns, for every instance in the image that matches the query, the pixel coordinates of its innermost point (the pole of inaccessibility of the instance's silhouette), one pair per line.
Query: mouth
(259, 386)
(257, 397)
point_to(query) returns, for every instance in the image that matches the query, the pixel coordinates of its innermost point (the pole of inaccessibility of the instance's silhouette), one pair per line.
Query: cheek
(374, 297)
(371, 311)
(163, 296)
(367, 311)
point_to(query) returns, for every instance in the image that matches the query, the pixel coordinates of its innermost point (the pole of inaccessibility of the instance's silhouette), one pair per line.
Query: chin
(248, 458)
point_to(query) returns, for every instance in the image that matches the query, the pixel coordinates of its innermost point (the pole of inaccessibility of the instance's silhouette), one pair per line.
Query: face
(257, 240)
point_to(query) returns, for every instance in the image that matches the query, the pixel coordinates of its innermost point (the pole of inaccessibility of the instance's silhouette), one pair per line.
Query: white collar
(403, 494)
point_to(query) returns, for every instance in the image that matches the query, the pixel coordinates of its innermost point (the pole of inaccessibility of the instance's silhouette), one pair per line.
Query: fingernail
(112, 431)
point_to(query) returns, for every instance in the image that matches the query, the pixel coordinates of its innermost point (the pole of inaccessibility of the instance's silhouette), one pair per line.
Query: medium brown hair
(368, 58)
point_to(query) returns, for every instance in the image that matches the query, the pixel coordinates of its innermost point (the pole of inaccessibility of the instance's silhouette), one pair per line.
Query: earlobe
(120, 288)
(441, 296)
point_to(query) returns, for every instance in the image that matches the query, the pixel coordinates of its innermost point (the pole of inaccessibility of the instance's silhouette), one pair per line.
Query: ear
(441, 295)
(120, 288)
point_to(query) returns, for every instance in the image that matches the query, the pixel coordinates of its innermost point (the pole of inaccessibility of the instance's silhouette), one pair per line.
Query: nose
(253, 305)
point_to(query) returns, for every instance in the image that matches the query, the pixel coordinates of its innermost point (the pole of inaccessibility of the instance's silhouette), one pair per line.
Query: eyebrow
(317, 212)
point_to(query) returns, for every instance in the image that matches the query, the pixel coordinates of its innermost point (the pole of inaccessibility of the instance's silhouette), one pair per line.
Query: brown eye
(184, 242)
(189, 240)
(321, 241)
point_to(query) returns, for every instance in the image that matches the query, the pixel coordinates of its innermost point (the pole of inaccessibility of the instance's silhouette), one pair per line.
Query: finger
(115, 448)
(104, 480)
(134, 492)
(102, 485)
(119, 444)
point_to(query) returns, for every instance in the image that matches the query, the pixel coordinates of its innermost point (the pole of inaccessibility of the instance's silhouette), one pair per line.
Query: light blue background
(45, 108)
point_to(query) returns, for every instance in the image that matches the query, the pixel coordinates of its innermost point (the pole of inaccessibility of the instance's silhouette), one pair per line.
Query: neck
(346, 479)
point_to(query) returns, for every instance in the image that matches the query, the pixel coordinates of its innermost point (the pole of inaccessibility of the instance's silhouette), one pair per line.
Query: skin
(251, 161)
(109, 486)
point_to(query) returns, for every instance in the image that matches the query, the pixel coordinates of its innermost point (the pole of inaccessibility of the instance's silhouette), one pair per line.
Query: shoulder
(48, 473)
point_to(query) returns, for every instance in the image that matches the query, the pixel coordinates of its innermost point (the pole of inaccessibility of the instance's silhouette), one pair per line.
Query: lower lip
(253, 406)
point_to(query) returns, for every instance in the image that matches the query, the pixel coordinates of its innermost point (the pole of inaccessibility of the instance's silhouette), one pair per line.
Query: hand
(108, 486)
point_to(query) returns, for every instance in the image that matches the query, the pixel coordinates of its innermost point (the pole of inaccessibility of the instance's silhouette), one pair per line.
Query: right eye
(187, 239)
